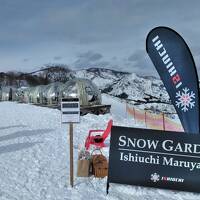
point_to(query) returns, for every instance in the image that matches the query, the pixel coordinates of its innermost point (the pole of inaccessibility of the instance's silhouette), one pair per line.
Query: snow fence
(151, 120)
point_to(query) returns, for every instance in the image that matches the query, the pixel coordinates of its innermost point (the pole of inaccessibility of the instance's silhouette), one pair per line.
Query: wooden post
(145, 118)
(126, 111)
(70, 109)
(134, 115)
(71, 154)
(163, 121)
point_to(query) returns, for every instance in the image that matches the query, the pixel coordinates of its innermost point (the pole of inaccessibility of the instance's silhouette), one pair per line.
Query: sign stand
(70, 109)
(71, 154)
(107, 187)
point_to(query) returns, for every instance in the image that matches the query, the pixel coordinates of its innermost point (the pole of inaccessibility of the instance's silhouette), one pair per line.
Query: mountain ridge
(140, 90)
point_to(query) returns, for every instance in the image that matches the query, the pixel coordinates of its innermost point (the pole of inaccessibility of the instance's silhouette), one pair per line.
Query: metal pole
(71, 154)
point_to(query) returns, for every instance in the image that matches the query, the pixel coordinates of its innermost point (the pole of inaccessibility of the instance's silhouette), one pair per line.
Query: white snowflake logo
(155, 177)
(185, 99)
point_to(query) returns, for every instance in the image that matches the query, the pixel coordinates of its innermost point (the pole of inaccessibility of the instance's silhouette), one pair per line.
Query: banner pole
(107, 187)
(71, 154)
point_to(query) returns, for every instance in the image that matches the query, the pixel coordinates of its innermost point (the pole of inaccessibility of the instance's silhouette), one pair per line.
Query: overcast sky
(91, 33)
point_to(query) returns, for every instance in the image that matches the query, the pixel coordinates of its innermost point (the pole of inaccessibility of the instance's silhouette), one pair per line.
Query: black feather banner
(175, 65)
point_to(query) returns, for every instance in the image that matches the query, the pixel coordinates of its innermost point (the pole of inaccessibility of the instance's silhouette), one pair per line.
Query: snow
(34, 157)
(101, 80)
(118, 107)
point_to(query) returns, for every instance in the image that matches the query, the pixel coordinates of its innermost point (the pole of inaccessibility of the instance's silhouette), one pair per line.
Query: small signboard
(154, 158)
(70, 108)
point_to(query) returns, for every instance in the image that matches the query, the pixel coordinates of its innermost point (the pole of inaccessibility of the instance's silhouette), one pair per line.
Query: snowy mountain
(146, 92)
(117, 83)
(141, 90)
(103, 78)
(121, 84)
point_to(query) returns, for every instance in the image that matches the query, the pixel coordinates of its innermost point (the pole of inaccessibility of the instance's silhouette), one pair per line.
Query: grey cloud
(26, 59)
(90, 59)
(82, 21)
(137, 55)
(57, 57)
(195, 50)
(132, 57)
(140, 63)
(90, 56)
(86, 64)
(37, 29)
(102, 64)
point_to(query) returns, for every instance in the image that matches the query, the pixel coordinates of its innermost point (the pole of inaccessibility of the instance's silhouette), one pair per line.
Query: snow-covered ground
(118, 108)
(34, 157)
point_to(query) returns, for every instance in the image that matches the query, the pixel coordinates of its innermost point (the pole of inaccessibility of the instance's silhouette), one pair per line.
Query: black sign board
(154, 158)
(71, 99)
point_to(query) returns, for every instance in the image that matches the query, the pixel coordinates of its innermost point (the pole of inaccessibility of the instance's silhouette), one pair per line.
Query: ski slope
(34, 157)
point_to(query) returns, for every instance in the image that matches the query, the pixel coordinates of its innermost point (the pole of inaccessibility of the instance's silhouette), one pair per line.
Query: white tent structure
(23, 95)
(8, 93)
(84, 89)
(36, 94)
(26, 93)
(0, 93)
(52, 93)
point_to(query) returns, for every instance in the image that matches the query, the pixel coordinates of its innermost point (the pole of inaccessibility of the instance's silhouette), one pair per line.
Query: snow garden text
(133, 150)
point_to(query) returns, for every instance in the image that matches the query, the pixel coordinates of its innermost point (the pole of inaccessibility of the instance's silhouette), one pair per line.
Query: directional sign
(70, 108)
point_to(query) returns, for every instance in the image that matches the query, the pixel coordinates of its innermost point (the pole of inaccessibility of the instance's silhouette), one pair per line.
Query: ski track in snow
(34, 157)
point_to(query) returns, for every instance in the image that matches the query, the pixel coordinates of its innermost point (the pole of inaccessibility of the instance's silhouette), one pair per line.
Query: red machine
(97, 137)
